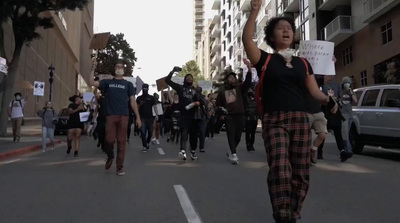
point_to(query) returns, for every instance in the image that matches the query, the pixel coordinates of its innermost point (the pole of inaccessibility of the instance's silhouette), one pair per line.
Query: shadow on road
(382, 153)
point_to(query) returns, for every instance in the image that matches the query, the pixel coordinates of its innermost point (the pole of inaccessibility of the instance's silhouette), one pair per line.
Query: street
(158, 187)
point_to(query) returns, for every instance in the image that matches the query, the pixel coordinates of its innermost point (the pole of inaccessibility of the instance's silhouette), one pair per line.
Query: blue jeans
(147, 130)
(346, 125)
(47, 132)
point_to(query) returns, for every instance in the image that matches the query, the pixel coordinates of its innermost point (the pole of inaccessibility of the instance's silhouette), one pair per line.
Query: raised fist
(256, 5)
(176, 69)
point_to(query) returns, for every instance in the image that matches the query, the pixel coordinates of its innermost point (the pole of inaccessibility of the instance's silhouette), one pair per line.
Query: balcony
(216, 19)
(245, 5)
(373, 9)
(238, 47)
(216, 45)
(237, 32)
(264, 15)
(338, 30)
(216, 60)
(243, 20)
(199, 5)
(292, 6)
(329, 5)
(236, 13)
(216, 31)
(216, 5)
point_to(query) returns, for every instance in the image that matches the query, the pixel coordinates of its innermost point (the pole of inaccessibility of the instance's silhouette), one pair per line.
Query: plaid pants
(287, 139)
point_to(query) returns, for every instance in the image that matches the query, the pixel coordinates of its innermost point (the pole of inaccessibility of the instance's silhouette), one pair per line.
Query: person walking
(49, 120)
(230, 97)
(347, 99)
(285, 81)
(158, 114)
(75, 125)
(118, 92)
(188, 101)
(211, 107)
(16, 113)
(201, 117)
(146, 104)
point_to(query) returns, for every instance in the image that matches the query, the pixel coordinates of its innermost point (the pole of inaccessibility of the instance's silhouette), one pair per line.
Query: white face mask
(287, 53)
(346, 86)
(18, 97)
(119, 72)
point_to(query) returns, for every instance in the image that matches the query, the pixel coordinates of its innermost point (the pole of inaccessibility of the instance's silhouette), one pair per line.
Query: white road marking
(187, 206)
(161, 151)
(9, 161)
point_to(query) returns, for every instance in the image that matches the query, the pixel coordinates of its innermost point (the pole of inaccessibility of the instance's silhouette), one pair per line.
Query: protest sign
(205, 85)
(320, 55)
(38, 88)
(3, 65)
(254, 77)
(139, 84)
(88, 97)
(161, 84)
(84, 116)
(159, 110)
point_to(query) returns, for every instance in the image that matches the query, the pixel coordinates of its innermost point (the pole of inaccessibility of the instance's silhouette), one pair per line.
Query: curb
(25, 150)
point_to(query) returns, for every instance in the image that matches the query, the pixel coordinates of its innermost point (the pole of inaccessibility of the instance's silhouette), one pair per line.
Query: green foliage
(117, 48)
(192, 68)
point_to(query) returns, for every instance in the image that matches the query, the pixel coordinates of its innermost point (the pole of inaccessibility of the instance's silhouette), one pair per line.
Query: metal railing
(339, 23)
(371, 5)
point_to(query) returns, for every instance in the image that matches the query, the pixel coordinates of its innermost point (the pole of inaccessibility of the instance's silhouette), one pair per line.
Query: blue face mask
(18, 98)
(346, 86)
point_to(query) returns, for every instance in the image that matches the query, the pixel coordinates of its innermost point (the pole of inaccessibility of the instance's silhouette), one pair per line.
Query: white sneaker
(43, 150)
(182, 155)
(153, 140)
(52, 148)
(157, 142)
(233, 158)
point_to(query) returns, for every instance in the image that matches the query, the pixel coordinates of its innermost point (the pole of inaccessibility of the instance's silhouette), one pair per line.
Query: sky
(159, 31)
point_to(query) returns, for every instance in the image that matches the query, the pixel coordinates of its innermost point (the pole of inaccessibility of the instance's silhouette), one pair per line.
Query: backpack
(259, 86)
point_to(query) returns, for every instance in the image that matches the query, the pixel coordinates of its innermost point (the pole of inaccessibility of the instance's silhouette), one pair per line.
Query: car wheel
(355, 141)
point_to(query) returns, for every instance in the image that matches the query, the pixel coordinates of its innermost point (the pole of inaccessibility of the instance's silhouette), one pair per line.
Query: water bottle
(190, 106)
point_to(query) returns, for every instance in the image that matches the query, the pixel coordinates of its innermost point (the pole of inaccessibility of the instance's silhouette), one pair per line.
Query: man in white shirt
(16, 112)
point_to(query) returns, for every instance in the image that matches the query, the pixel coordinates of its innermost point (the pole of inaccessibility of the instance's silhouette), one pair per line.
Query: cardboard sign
(205, 85)
(139, 84)
(320, 55)
(88, 97)
(161, 84)
(159, 110)
(84, 116)
(99, 41)
(38, 88)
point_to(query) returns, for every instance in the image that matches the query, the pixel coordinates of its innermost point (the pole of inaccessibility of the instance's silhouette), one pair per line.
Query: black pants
(251, 127)
(189, 131)
(234, 128)
(337, 131)
(210, 130)
(201, 126)
(147, 130)
(131, 120)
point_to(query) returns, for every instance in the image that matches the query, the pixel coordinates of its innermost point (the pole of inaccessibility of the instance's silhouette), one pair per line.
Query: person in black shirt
(74, 124)
(188, 101)
(286, 129)
(146, 103)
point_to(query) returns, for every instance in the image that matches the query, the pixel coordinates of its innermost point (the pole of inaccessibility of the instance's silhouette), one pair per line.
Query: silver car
(376, 117)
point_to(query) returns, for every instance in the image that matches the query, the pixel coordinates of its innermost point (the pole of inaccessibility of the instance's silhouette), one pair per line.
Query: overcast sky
(159, 31)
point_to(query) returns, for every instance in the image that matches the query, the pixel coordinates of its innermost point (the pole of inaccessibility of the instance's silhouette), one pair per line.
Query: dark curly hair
(270, 27)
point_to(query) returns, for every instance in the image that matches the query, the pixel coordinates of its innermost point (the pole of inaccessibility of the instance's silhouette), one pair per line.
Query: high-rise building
(198, 24)
(66, 47)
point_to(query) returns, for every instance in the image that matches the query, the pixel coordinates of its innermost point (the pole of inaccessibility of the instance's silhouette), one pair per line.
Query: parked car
(376, 117)
(61, 126)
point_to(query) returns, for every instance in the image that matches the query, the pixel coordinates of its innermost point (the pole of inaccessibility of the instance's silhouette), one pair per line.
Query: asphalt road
(158, 187)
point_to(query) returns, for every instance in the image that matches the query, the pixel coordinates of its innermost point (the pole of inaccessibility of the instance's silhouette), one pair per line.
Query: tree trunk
(9, 88)
(2, 54)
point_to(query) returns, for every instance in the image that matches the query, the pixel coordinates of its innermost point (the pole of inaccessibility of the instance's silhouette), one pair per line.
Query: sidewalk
(31, 140)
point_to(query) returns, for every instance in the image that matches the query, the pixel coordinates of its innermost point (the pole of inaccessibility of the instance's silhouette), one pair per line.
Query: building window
(386, 32)
(347, 56)
(364, 80)
(304, 10)
(305, 30)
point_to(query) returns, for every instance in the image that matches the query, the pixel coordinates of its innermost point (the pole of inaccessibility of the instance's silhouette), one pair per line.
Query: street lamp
(51, 74)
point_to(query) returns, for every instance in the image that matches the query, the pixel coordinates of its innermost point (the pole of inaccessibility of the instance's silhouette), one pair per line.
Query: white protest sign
(254, 77)
(205, 85)
(139, 84)
(84, 116)
(88, 97)
(38, 88)
(320, 55)
(3, 65)
(159, 110)
(177, 79)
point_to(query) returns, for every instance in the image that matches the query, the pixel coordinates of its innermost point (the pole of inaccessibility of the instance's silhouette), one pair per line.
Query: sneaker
(153, 140)
(108, 164)
(250, 148)
(76, 154)
(52, 148)
(43, 150)
(193, 155)
(157, 142)
(120, 172)
(312, 156)
(144, 149)
(233, 158)
(182, 155)
(69, 150)
(344, 156)
(202, 150)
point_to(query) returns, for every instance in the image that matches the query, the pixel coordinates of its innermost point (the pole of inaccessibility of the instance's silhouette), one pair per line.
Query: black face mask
(145, 92)
(188, 84)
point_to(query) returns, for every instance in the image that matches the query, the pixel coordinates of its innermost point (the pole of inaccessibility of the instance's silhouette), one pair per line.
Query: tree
(192, 68)
(117, 48)
(25, 17)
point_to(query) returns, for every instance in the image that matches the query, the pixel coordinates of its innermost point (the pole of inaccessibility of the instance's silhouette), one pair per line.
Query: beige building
(366, 37)
(66, 46)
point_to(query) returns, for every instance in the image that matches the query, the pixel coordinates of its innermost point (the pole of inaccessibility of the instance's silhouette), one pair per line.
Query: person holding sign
(285, 82)
(118, 92)
(75, 124)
